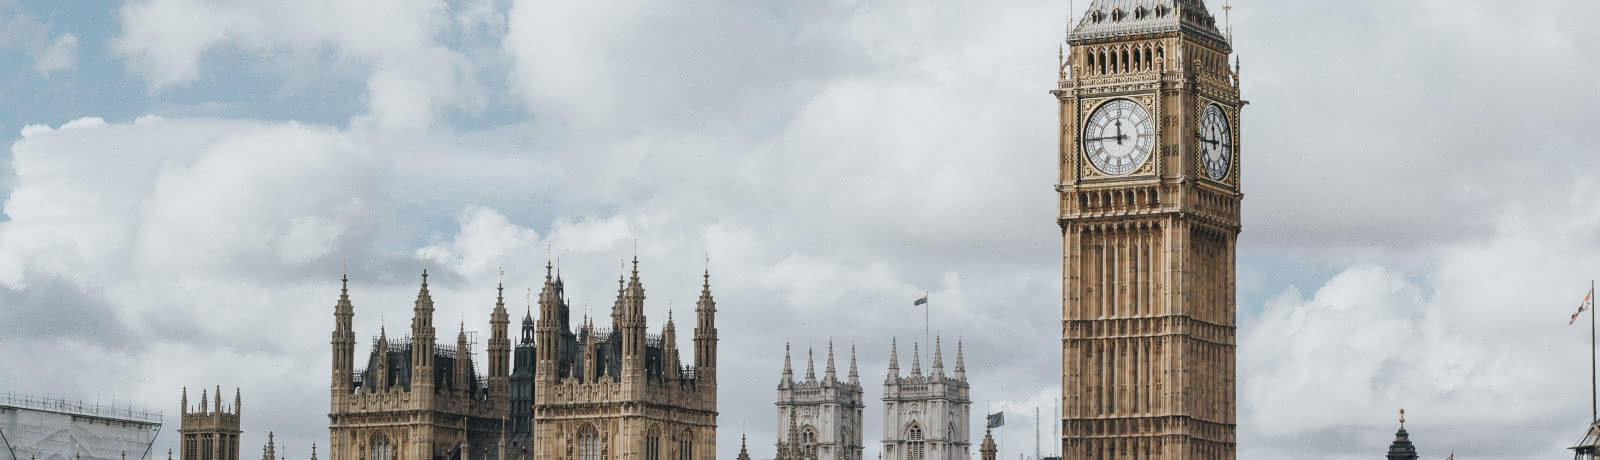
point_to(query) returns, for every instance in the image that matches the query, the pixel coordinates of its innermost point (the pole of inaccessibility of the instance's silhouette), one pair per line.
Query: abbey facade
(576, 392)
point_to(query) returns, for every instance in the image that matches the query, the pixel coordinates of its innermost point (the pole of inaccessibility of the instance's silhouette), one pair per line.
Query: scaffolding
(35, 428)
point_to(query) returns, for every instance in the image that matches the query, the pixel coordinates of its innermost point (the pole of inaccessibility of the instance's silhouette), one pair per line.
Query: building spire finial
(1402, 418)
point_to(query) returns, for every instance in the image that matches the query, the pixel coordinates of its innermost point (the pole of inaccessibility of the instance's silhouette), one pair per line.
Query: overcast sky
(185, 179)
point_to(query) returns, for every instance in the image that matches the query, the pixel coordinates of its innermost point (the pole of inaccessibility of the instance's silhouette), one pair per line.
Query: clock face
(1216, 143)
(1118, 137)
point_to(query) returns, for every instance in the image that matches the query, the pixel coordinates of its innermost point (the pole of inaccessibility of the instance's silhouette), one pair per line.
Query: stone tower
(417, 399)
(209, 431)
(925, 417)
(824, 413)
(622, 393)
(1149, 193)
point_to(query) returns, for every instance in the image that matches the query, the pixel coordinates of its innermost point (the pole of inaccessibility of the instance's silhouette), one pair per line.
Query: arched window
(652, 443)
(808, 443)
(686, 446)
(381, 448)
(914, 444)
(589, 445)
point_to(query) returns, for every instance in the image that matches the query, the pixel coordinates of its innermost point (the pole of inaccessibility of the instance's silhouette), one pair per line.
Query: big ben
(1149, 191)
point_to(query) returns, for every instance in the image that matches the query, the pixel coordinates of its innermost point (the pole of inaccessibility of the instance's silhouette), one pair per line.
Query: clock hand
(1209, 141)
(1119, 132)
(1097, 139)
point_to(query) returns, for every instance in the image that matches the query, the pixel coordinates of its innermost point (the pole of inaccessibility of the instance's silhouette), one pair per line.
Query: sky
(187, 180)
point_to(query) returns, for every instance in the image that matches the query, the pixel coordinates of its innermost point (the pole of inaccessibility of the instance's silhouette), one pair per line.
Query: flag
(997, 419)
(921, 301)
(1587, 303)
(1452, 455)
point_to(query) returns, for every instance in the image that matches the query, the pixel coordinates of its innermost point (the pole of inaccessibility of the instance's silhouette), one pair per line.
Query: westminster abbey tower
(1149, 196)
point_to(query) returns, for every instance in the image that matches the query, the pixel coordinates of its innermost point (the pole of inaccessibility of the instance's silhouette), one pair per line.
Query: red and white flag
(1587, 303)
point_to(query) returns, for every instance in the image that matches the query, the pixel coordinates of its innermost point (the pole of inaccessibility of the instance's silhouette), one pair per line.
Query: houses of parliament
(1148, 194)
(575, 391)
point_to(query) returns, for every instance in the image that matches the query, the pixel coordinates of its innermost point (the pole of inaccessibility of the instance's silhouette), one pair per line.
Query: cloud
(25, 32)
(835, 160)
(1472, 346)
(412, 74)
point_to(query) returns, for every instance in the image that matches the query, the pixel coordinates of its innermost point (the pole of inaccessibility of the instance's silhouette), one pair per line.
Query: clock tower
(1149, 195)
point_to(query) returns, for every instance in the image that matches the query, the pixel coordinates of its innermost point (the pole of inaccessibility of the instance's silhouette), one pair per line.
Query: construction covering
(55, 429)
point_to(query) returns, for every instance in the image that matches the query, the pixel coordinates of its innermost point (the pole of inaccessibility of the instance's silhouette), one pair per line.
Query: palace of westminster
(1148, 194)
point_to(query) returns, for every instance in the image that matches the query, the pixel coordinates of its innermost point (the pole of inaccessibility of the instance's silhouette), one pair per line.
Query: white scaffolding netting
(51, 429)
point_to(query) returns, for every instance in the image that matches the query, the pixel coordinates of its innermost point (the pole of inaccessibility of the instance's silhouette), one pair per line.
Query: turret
(591, 361)
(237, 403)
(855, 378)
(988, 449)
(463, 362)
(669, 350)
(894, 363)
(548, 332)
(705, 334)
(632, 327)
(788, 370)
(422, 340)
(380, 379)
(829, 378)
(811, 367)
(916, 359)
(343, 344)
(961, 364)
(499, 347)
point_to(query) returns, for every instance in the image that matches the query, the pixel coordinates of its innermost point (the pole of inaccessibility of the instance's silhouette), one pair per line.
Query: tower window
(808, 444)
(914, 444)
(652, 444)
(381, 449)
(588, 443)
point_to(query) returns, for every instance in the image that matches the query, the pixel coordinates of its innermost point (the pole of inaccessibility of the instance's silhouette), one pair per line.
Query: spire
(811, 366)
(855, 379)
(313, 451)
(894, 360)
(788, 370)
(744, 453)
(916, 359)
(961, 364)
(938, 357)
(183, 404)
(203, 408)
(828, 376)
(237, 402)
(218, 396)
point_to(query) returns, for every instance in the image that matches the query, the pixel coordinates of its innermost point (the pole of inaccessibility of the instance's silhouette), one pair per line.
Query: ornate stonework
(1148, 314)
(623, 393)
(417, 400)
(210, 431)
(925, 417)
(822, 418)
(591, 394)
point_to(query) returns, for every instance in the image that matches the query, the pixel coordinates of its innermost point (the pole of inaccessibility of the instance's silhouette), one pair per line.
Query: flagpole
(1594, 403)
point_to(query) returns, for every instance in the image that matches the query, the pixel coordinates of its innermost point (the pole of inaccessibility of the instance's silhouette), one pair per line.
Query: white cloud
(61, 55)
(836, 160)
(412, 77)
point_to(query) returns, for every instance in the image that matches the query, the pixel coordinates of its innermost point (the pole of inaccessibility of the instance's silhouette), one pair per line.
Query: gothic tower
(1149, 192)
(925, 417)
(825, 414)
(209, 432)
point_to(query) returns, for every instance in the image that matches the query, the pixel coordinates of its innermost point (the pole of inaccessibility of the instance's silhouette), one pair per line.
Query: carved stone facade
(623, 393)
(926, 417)
(210, 431)
(416, 399)
(821, 417)
(1149, 212)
